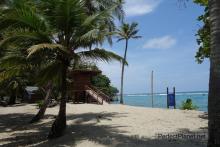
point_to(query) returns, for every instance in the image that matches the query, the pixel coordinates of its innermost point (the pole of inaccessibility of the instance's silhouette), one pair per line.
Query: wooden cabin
(33, 94)
(81, 87)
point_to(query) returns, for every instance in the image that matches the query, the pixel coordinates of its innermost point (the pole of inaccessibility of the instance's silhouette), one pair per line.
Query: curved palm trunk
(42, 110)
(59, 124)
(122, 73)
(214, 81)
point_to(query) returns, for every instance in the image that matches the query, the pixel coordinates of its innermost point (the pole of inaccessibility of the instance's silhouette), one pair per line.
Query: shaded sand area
(105, 126)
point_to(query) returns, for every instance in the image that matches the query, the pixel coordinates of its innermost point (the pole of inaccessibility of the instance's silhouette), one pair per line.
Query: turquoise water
(200, 99)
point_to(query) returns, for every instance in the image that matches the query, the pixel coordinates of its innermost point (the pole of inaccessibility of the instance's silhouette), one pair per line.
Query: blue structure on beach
(171, 98)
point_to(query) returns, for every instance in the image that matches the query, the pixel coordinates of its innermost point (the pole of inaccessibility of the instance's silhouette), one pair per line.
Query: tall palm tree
(214, 81)
(69, 27)
(126, 32)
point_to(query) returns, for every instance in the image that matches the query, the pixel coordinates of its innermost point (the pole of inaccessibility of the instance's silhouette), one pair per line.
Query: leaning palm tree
(214, 81)
(126, 32)
(69, 27)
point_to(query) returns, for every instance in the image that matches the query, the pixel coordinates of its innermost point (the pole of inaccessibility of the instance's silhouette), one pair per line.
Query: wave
(191, 93)
(164, 94)
(137, 95)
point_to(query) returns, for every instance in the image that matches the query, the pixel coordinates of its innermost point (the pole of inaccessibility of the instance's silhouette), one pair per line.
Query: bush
(188, 105)
(103, 83)
(40, 104)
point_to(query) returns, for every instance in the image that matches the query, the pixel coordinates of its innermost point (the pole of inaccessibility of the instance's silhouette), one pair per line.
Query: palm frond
(101, 54)
(12, 61)
(137, 37)
(46, 46)
(127, 31)
(19, 36)
(94, 6)
(50, 72)
(23, 16)
(91, 35)
(13, 66)
(99, 16)
(64, 15)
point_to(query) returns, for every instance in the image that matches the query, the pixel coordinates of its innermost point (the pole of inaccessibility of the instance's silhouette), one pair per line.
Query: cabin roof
(86, 71)
(31, 88)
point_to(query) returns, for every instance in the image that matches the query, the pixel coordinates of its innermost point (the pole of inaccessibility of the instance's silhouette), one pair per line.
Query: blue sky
(168, 46)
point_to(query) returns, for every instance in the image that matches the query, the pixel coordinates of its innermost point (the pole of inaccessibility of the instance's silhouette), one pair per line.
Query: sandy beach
(105, 126)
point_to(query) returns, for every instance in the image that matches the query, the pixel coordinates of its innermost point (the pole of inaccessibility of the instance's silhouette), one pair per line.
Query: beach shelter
(80, 90)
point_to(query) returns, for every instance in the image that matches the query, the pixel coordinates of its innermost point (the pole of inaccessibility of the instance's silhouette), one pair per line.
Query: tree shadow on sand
(204, 116)
(82, 127)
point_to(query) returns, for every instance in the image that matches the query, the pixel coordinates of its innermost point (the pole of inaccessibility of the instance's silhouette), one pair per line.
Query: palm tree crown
(127, 31)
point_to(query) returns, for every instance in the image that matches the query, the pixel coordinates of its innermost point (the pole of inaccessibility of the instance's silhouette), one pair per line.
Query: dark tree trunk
(42, 110)
(59, 124)
(122, 74)
(214, 81)
(12, 99)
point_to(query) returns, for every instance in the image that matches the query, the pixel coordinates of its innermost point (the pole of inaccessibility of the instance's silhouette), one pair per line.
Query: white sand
(108, 125)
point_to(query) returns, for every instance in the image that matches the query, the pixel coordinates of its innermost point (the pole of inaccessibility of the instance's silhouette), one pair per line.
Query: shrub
(40, 104)
(103, 83)
(188, 105)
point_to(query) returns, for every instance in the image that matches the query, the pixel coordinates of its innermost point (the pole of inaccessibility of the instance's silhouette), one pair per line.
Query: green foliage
(188, 105)
(203, 34)
(101, 81)
(86, 65)
(104, 84)
(201, 2)
(101, 54)
(14, 87)
(40, 104)
(52, 33)
(127, 31)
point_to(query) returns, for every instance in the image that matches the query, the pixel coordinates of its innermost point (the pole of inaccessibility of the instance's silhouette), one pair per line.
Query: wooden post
(152, 88)
(174, 92)
(167, 98)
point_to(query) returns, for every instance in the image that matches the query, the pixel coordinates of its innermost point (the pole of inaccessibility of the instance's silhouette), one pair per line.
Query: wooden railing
(94, 95)
(99, 93)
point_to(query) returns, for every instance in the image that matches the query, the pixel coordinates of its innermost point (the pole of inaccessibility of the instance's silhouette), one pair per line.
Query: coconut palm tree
(64, 28)
(93, 7)
(126, 32)
(214, 81)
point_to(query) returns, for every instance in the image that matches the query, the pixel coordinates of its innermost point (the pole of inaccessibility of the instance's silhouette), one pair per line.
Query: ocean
(200, 99)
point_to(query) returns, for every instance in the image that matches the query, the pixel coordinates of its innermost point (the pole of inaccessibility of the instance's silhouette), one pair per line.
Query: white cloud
(140, 7)
(164, 42)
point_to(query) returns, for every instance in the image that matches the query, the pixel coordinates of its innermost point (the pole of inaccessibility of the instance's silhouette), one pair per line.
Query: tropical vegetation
(203, 34)
(47, 38)
(41, 40)
(103, 83)
(188, 105)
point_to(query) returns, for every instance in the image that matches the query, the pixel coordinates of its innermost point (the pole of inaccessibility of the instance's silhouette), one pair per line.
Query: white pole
(152, 88)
